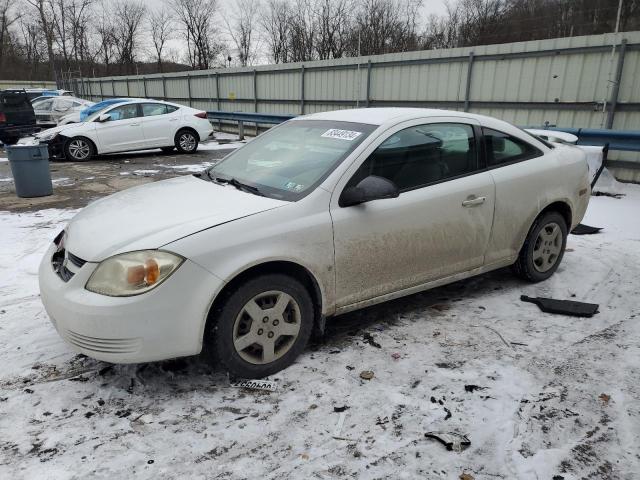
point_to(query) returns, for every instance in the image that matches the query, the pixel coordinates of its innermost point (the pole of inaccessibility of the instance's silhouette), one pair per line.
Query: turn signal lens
(153, 271)
(201, 114)
(133, 273)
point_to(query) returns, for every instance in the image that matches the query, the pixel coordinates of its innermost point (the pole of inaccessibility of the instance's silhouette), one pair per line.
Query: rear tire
(543, 248)
(186, 141)
(79, 149)
(261, 327)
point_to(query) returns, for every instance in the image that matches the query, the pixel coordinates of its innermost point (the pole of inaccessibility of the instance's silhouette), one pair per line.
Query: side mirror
(369, 188)
(105, 117)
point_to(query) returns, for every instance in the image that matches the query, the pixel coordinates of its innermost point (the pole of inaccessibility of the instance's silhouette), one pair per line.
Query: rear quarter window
(503, 149)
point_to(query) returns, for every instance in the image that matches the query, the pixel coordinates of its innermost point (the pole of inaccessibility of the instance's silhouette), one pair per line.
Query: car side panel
(526, 188)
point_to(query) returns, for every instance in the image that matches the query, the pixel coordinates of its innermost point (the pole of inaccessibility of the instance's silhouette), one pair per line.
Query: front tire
(261, 327)
(186, 141)
(79, 149)
(543, 248)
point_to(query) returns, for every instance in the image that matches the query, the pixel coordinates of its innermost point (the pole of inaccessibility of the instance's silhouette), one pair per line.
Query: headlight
(45, 137)
(133, 273)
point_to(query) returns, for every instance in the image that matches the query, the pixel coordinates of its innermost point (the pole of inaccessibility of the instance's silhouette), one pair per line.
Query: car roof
(382, 115)
(378, 116)
(388, 116)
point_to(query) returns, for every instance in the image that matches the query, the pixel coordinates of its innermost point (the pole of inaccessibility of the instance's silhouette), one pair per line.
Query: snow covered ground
(559, 398)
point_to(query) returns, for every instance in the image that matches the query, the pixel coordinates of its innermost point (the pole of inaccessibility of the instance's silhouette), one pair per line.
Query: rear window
(13, 99)
(153, 109)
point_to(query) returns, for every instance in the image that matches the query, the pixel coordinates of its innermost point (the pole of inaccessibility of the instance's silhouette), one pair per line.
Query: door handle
(173, 119)
(473, 201)
(134, 124)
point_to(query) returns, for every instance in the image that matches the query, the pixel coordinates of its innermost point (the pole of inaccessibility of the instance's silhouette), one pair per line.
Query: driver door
(123, 131)
(437, 227)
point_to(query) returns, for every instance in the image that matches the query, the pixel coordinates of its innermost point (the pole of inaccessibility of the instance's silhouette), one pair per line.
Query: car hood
(52, 130)
(152, 215)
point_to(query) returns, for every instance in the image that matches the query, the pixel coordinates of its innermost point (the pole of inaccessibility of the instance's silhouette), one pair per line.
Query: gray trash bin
(30, 169)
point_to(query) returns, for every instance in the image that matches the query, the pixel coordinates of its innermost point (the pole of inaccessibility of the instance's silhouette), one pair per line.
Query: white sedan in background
(138, 124)
(49, 110)
(322, 215)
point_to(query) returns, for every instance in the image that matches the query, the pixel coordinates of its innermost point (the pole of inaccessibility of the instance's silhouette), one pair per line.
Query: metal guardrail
(246, 117)
(624, 140)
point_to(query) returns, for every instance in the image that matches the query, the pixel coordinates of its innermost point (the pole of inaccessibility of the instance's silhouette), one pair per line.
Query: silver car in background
(49, 110)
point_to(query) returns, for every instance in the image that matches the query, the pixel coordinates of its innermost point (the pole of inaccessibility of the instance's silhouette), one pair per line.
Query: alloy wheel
(187, 142)
(267, 327)
(79, 149)
(547, 247)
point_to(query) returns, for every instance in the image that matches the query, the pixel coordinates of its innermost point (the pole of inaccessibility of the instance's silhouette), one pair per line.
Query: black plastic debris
(453, 441)
(563, 307)
(582, 229)
(367, 337)
(340, 409)
(473, 388)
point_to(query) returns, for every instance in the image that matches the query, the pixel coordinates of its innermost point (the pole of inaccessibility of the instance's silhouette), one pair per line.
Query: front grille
(103, 345)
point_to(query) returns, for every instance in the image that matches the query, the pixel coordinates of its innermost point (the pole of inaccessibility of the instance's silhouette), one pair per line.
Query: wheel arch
(191, 129)
(563, 208)
(285, 267)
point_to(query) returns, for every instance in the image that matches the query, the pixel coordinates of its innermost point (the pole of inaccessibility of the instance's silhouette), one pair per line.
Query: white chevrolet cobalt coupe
(324, 214)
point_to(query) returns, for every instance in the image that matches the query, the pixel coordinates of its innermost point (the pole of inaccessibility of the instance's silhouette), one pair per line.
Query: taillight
(3, 118)
(201, 114)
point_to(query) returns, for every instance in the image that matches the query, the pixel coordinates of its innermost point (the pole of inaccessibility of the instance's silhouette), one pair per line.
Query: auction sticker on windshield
(341, 134)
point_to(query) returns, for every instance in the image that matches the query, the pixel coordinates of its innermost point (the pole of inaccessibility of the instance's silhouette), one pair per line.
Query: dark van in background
(17, 118)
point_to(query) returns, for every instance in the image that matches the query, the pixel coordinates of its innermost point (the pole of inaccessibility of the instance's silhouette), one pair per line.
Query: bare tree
(385, 26)
(32, 46)
(241, 28)
(7, 18)
(79, 13)
(302, 31)
(161, 29)
(275, 23)
(106, 37)
(199, 31)
(46, 16)
(127, 28)
(333, 24)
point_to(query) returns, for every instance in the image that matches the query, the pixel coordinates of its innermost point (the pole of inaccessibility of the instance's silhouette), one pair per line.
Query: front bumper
(163, 323)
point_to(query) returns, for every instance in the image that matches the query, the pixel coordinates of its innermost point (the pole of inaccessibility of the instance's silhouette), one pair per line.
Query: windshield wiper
(238, 184)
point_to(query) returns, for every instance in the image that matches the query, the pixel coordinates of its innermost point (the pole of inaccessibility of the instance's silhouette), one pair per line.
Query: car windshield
(289, 161)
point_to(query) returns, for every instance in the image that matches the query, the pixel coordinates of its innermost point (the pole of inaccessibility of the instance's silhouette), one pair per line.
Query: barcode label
(341, 134)
(256, 385)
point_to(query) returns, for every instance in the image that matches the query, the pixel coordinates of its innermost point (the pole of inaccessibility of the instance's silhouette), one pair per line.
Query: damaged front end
(55, 143)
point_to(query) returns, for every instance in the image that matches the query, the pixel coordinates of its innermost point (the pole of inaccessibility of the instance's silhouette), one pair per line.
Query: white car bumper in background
(166, 322)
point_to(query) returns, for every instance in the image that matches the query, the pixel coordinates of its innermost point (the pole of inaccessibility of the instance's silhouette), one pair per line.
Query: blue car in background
(87, 112)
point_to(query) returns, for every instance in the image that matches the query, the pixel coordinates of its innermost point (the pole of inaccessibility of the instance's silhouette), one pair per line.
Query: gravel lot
(76, 184)
(540, 396)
